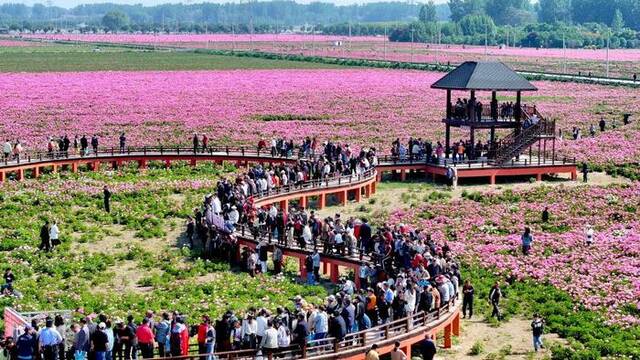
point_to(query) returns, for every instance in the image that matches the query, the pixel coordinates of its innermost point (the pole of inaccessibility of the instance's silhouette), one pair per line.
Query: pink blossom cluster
(601, 276)
(16, 43)
(362, 107)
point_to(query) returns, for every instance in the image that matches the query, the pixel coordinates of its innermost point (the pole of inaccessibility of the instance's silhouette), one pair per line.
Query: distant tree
(618, 22)
(462, 8)
(512, 12)
(553, 11)
(427, 12)
(115, 20)
(477, 24)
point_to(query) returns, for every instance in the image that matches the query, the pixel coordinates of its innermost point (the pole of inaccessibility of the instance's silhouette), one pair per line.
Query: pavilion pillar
(492, 180)
(142, 164)
(358, 193)
(74, 167)
(493, 135)
(448, 104)
(2, 176)
(403, 175)
(373, 188)
(494, 106)
(20, 174)
(472, 112)
(367, 190)
(167, 164)
(472, 138)
(36, 172)
(518, 112)
(194, 161)
(96, 165)
(54, 168)
(447, 141)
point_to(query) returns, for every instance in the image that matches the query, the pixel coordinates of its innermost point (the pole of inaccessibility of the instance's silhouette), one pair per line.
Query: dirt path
(511, 340)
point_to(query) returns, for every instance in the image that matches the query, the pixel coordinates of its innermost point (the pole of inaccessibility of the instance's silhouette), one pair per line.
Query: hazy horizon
(73, 3)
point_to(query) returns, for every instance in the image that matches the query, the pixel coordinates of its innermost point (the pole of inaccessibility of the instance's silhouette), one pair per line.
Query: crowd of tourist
(419, 149)
(603, 124)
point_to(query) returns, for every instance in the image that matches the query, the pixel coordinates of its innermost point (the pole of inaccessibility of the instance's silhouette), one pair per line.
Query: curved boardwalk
(409, 331)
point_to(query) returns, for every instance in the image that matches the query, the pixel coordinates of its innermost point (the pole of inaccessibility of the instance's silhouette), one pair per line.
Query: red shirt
(144, 334)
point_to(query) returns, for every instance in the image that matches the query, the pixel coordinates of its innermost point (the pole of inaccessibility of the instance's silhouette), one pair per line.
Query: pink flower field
(623, 62)
(488, 232)
(358, 106)
(195, 38)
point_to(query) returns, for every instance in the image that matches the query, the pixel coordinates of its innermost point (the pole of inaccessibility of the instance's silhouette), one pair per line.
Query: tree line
(546, 23)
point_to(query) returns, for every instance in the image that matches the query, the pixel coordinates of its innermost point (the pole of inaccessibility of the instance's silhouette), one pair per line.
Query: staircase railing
(514, 143)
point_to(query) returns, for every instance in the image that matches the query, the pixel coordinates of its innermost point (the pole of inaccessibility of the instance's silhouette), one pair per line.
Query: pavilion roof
(487, 76)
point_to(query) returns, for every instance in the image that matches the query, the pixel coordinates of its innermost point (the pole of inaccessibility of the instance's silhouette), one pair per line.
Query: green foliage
(427, 12)
(477, 348)
(589, 337)
(115, 21)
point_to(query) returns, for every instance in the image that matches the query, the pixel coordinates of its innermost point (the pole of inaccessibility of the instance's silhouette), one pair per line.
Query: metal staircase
(517, 142)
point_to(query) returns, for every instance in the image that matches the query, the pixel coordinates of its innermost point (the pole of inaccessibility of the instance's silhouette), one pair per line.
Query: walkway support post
(74, 167)
(303, 269)
(335, 273)
(142, 164)
(303, 202)
(20, 174)
(343, 198)
(456, 325)
(2, 176)
(321, 201)
(36, 172)
(358, 193)
(447, 337)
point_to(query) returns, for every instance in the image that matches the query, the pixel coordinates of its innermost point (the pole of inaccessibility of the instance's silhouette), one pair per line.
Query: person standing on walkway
(537, 327)
(467, 299)
(494, 297)
(26, 344)
(585, 171)
(196, 143)
(107, 199)
(205, 142)
(94, 144)
(6, 149)
(100, 342)
(49, 340)
(123, 142)
(602, 124)
(145, 338)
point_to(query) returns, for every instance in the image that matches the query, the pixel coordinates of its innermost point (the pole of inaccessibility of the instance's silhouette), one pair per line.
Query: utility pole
(608, 45)
(412, 30)
(486, 40)
(385, 42)
(564, 54)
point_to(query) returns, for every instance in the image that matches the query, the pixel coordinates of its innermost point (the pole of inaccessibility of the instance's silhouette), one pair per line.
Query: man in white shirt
(269, 343)
(54, 234)
(262, 324)
(7, 148)
(48, 341)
